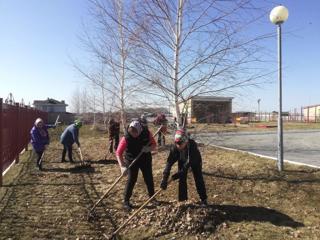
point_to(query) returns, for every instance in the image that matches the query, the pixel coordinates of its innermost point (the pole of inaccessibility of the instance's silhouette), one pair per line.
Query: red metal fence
(15, 125)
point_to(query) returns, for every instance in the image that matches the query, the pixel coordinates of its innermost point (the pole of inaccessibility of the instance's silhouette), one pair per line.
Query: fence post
(17, 133)
(1, 152)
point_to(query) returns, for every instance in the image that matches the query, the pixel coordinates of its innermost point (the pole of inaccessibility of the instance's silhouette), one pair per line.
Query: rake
(83, 164)
(173, 178)
(90, 214)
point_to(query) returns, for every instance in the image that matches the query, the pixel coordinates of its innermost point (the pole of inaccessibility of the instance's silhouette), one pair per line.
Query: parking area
(299, 145)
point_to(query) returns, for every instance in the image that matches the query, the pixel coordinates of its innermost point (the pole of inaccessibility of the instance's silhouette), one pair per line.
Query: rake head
(115, 237)
(91, 216)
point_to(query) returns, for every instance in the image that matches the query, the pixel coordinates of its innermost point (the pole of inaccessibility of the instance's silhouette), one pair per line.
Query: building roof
(212, 99)
(311, 106)
(49, 101)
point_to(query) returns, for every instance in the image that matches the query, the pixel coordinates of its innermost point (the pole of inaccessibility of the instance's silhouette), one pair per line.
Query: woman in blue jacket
(70, 136)
(40, 139)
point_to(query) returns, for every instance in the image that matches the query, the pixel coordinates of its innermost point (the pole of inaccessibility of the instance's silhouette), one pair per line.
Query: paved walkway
(300, 146)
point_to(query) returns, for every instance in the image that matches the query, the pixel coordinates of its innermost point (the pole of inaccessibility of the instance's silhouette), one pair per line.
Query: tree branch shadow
(266, 178)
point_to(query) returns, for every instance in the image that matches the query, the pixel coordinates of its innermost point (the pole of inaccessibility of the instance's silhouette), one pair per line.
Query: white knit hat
(38, 120)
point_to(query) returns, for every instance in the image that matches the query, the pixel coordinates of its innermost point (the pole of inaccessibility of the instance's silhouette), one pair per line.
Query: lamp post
(259, 109)
(279, 15)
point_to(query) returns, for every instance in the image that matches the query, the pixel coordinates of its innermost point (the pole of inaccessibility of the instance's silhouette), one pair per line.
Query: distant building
(54, 108)
(50, 105)
(208, 109)
(311, 113)
(244, 117)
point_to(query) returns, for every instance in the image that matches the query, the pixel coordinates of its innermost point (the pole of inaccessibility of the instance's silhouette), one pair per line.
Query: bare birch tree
(110, 44)
(76, 101)
(187, 48)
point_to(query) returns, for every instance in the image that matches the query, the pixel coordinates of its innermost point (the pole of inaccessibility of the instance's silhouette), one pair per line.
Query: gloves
(146, 149)
(176, 175)
(164, 184)
(123, 170)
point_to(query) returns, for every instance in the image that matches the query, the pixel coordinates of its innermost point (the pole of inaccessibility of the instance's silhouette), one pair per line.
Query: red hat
(180, 136)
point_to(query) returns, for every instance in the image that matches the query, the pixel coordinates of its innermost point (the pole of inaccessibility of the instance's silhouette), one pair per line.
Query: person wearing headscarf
(40, 139)
(131, 145)
(70, 136)
(186, 152)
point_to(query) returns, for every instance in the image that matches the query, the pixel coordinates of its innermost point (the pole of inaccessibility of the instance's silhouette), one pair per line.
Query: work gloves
(164, 184)
(123, 170)
(146, 149)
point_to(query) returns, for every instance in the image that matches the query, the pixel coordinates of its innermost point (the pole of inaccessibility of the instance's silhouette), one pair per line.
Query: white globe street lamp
(279, 15)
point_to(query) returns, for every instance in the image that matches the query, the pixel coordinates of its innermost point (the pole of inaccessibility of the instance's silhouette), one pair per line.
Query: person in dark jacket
(70, 136)
(40, 139)
(114, 132)
(186, 152)
(136, 140)
(161, 121)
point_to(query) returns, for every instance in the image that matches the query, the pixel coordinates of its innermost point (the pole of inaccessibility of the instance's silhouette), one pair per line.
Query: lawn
(248, 198)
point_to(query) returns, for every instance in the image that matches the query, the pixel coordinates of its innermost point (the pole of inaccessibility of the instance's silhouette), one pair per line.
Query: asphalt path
(301, 146)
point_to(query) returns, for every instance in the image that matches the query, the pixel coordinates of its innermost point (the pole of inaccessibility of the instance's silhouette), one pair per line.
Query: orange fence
(15, 125)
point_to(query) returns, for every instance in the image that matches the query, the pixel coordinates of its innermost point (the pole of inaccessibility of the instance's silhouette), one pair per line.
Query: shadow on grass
(235, 213)
(6, 193)
(268, 178)
(302, 171)
(75, 169)
(104, 161)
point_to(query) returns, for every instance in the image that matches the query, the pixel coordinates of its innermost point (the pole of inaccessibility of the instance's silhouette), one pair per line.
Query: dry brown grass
(248, 199)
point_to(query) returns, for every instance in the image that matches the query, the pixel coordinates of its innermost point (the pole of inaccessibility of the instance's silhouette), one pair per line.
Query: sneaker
(127, 206)
(63, 160)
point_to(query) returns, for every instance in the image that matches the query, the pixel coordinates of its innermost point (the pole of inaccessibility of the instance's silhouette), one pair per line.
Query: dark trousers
(145, 165)
(39, 155)
(198, 178)
(160, 138)
(113, 140)
(67, 148)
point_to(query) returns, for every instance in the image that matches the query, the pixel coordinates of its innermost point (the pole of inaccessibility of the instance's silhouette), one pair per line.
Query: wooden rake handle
(107, 192)
(139, 210)
(136, 212)
(80, 153)
(42, 156)
(159, 129)
(115, 183)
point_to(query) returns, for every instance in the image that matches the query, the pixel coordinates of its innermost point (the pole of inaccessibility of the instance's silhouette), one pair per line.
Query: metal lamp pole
(259, 117)
(280, 123)
(278, 16)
